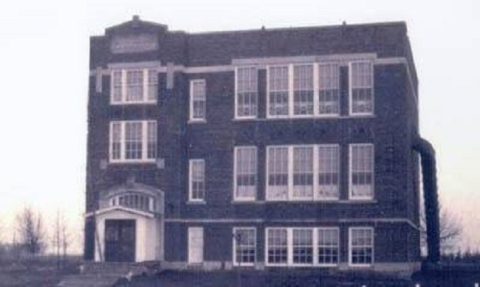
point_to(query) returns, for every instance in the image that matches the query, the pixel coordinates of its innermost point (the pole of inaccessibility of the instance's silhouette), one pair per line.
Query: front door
(119, 240)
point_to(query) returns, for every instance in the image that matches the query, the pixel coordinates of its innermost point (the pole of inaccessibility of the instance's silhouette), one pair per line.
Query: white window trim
(316, 185)
(236, 94)
(315, 171)
(234, 246)
(190, 181)
(350, 229)
(191, 119)
(123, 101)
(316, 80)
(350, 89)
(317, 246)
(317, 91)
(266, 248)
(235, 197)
(122, 159)
(290, 262)
(350, 172)
(290, 92)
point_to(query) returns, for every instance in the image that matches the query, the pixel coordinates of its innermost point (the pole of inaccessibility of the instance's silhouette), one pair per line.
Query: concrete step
(112, 268)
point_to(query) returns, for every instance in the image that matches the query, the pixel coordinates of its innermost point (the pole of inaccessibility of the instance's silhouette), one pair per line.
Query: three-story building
(266, 148)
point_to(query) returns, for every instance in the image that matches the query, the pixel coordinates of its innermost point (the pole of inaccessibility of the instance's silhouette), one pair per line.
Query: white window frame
(235, 242)
(267, 246)
(237, 116)
(350, 247)
(315, 246)
(145, 141)
(291, 90)
(124, 87)
(191, 102)
(292, 246)
(201, 234)
(351, 196)
(350, 88)
(336, 65)
(290, 167)
(235, 171)
(191, 162)
(317, 170)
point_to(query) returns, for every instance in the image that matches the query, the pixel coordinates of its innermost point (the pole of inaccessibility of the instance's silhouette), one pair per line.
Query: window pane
(361, 246)
(246, 172)
(133, 140)
(278, 90)
(134, 86)
(328, 168)
(362, 170)
(329, 87)
(302, 172)
(277, 246)
(328, 245)
(302, 246)
(303, 90)
(152, 140)
(277, 173)
(197, 168)
(115, 141)
(245, 245)
(198, 99)
(362, 87)
(152, 85)
(247, 91)
(117, 86)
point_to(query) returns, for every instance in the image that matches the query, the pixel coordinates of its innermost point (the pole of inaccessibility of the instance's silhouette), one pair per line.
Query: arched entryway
(129, 223)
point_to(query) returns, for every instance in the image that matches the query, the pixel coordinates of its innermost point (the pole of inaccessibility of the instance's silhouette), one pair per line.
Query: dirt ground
(35, 272)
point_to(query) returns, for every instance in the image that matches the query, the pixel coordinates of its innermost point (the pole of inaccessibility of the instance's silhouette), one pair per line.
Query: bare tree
(29, 226)
(2, 230)
(450, 230)
(60, 238)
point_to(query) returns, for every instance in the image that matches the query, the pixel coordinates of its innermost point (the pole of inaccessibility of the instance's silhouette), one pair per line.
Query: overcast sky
(44, 72)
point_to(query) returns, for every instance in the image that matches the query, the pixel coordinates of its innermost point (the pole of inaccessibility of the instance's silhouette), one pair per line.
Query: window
(361, 171)
(198, 98)
(134, 86)
(245, 178)
(277, 246)
(278, 95)
(361, 88)
(329, 89)
(244, 242)
(136, 201)
(304, 172)
(133, 141)
(328, 171)
(197, 180)
(247, 86)
(328, 246)
(361, 246)
(303, 90)
(278, 185)
(302, 246)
